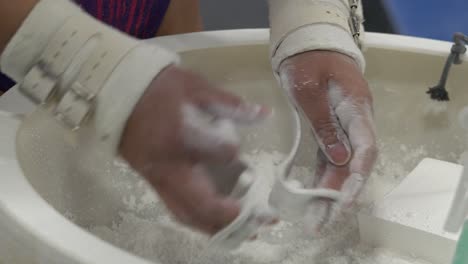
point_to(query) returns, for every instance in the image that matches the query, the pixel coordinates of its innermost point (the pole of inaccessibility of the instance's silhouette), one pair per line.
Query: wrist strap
(289, 17)
(74, 67)
(79, 68)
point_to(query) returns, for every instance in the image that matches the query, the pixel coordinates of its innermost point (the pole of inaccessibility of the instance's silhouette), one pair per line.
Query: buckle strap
(74, 67)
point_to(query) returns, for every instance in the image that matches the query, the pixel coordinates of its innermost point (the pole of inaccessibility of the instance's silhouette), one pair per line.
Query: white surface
(231, 38)
(33, 232)
(411, 218)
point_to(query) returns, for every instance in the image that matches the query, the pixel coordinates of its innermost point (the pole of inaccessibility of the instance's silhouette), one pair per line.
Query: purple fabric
(5, 83)
(139, 18)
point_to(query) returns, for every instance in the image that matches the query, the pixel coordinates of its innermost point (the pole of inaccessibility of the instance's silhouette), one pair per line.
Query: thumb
(315, 100)
(331, 138)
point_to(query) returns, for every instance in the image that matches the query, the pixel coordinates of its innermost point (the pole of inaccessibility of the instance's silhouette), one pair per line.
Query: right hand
(332, 92)
(181, 123)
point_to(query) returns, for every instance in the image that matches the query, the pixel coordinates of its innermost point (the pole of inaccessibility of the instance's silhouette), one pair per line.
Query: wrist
(320, 37)
(299, 26)
(86, 73)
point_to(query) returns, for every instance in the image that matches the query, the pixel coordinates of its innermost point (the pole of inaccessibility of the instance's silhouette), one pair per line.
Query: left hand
(181, 127)
(333, 94)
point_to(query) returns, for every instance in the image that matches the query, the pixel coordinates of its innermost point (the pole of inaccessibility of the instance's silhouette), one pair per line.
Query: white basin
(44, 216)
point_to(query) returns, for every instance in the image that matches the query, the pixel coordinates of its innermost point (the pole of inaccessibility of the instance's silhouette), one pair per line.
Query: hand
(333, 94)
(180, 124)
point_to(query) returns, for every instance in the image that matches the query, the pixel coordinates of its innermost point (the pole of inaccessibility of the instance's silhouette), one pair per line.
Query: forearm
(181, 17)
(303, 25)
(13, 14)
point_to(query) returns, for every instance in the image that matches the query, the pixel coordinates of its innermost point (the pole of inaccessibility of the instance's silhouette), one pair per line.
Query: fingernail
(351, 189)
(315, 217)
(338, 153)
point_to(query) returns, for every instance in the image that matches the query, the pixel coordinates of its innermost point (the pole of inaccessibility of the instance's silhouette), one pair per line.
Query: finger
(229, 179)
(316, 216)
(316, 100)
(218, 215)
(322, 213)
(320, 167)
(214, 212)
(334, 177)
(223, 104)
(242, 114)
(213, 217)
(208, 139)
(357, 121)
(166, 179)
(362, 136)
(191, 197)
(318, 213)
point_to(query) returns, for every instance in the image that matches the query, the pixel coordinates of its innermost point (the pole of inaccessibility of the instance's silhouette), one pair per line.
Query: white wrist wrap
(63, 57)
(304, 25)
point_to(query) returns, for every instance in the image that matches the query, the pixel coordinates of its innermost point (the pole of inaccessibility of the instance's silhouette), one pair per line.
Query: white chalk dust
(161, 239)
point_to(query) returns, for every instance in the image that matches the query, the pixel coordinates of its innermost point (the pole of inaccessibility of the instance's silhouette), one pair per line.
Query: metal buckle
(74, 107)
(355, 22)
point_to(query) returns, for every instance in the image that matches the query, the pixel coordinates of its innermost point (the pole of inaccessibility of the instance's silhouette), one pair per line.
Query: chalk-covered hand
(333, 94)
(181, 123)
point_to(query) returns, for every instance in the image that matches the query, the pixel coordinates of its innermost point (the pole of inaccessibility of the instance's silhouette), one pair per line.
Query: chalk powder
(161, 239)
